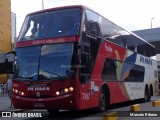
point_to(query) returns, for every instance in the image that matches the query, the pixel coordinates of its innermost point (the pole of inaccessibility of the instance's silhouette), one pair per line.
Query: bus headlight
(57, 93)
(71, 89)
(22, 93)
(66, 90)
(16, 91)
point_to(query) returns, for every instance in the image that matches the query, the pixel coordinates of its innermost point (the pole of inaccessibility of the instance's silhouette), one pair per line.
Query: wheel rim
(146, 96)
(102, 101)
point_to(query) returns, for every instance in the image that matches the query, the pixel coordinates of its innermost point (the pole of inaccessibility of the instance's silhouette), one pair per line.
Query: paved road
(122, 110)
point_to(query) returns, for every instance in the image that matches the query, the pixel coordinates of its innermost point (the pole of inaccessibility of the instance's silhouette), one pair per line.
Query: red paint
(82, 96)
(47, 41)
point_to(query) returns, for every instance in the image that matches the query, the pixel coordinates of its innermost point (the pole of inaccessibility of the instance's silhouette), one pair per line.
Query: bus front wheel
(102, 101)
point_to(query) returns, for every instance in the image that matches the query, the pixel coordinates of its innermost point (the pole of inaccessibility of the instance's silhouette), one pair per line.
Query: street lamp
(151, 22)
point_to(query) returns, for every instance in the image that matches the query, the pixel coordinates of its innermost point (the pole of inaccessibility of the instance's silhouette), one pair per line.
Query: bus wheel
(54, 112)
(102, 101)
(147, 96)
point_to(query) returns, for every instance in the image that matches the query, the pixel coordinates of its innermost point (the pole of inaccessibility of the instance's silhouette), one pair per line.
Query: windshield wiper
(50, 75)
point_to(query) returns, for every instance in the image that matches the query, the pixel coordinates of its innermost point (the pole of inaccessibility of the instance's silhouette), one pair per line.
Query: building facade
(5, 33)
(5, 26)
(153, 37)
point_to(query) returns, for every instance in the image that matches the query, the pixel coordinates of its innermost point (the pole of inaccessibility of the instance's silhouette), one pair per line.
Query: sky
(129, 14)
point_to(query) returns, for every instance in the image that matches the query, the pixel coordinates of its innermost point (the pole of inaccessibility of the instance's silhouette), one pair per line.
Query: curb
(111, 116)
(135, 107)
(156, 103)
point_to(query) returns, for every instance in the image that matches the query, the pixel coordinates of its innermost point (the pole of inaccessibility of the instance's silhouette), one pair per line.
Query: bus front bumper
(64, 102)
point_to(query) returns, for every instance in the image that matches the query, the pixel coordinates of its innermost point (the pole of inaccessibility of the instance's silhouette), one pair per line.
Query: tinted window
(137, 74)
(47, 62)
(99, 26)
(122, 71)
(27, 58)
(109, 70)
(55, 60)
(93, 23)
(51, 24)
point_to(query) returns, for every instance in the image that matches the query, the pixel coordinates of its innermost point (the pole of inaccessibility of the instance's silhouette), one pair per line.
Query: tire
(147, 96)
(102, 101)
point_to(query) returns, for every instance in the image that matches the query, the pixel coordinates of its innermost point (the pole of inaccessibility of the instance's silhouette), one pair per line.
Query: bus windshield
(50, 24)
(47, 62)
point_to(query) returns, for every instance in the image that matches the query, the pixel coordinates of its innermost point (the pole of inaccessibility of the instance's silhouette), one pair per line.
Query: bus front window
(47, 62)
(27, 62)
(50, 24)
(56, 61)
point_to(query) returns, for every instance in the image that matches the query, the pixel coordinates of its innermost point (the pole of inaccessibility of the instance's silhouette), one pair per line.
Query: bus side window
(93, 28)
(109, 70)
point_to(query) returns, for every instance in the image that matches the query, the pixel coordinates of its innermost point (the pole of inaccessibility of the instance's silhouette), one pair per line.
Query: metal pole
(151, 22)
(42, 5)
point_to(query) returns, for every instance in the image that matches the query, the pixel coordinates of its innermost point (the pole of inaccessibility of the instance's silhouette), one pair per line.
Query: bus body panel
(43, 95)
(114, 66)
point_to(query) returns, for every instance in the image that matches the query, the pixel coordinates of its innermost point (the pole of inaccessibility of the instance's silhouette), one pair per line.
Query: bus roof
(57, 8)
(85, 7)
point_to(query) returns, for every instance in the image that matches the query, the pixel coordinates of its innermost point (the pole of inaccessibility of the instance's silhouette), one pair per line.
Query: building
(5, 26)
(152, 36)
(5, 32)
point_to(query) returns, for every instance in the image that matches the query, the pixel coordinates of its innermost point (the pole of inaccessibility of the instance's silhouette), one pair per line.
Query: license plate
(38, 104)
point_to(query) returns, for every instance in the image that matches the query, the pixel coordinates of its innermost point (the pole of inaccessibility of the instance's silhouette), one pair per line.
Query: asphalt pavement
(145, 108)
(5, 103)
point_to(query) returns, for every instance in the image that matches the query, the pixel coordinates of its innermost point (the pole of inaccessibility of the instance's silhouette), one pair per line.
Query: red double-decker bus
(73, 58)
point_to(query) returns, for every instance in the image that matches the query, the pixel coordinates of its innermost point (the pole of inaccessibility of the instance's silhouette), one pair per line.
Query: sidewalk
(5, 103)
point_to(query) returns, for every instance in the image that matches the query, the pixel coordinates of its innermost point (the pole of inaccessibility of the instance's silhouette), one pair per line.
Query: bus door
(85, 86)
(90, 45)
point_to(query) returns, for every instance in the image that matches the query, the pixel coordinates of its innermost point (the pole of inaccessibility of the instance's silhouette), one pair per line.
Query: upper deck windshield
(50, 24)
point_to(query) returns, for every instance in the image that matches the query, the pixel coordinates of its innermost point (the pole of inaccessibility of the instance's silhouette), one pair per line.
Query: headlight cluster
(64, 91)
(18, 92)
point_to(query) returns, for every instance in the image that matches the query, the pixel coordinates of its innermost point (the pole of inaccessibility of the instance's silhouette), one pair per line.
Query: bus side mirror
(9, 61)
